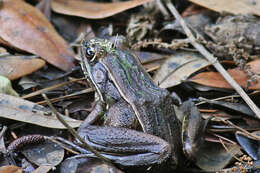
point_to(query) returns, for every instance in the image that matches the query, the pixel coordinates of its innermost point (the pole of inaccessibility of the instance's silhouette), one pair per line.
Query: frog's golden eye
(90, 52)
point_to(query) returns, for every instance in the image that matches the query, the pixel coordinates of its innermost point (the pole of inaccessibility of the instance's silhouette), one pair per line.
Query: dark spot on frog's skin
(197, 65)
(24, 107)
(173, 65)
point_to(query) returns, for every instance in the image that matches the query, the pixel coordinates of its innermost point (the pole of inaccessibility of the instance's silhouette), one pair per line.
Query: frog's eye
(90, 52)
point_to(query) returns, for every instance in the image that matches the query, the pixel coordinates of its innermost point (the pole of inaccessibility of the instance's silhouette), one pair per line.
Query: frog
(127, 96)
(237, 32)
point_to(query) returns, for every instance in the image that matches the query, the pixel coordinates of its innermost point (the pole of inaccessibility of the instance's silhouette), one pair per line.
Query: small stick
(73, 132)
(229, 152)
(63, 145)
(44, 90)
(213, 60)
(253, 136)
(85, 91)
(3, 131)
(62, 141)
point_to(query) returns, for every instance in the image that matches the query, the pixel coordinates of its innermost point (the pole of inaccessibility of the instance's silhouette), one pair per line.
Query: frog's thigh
(127, 147)
(121, 115)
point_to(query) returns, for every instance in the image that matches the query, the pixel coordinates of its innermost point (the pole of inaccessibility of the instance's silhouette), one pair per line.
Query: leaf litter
(165, 53)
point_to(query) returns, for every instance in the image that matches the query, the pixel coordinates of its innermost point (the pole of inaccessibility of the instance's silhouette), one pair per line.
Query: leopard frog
(127, 95)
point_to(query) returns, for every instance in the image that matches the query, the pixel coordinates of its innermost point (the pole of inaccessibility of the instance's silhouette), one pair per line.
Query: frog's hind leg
(125, 146)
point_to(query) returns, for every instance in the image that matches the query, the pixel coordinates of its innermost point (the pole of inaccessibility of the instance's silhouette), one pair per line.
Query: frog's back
(152, 105)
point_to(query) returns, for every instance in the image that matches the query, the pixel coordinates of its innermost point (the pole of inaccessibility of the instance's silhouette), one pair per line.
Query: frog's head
(96, 48)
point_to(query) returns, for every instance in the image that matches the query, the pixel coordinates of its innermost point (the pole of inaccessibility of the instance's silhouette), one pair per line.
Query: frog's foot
(125, 146)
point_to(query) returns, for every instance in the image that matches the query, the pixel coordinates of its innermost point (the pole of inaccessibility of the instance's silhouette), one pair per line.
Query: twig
(73, 132)
(213, 60)
(85, 91)
(44, 90)
(203, 100)
(3, 131)
(253, 136)
(229, 152)
(63, 145)
(63, 141)
(223, 138)
(162, 9)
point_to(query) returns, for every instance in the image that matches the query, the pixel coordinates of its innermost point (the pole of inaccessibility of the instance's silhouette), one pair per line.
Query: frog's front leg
(125, 146)
(96, 113)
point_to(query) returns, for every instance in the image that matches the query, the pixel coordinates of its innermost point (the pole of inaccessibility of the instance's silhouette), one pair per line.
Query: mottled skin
(131, 96)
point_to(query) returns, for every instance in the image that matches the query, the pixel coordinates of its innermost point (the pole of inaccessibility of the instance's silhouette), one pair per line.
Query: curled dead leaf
(233, 6)
(215, 79)
(93, 10)
(178, 68)
(10, 169)
(26, 28)
(18, 109)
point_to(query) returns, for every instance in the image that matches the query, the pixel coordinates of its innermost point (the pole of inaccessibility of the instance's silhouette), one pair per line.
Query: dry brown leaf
(18, 109)
(214, 156)
(231, 6)
(14, 67)
(178, 68)
(26, 28)
(93, 10)
(10, 169)
(214, 79)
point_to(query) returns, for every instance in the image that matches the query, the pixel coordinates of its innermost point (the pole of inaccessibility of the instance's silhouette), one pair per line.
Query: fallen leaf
(215, 79)
(6, 87)
(10, 169)
(14, 67)
(178, 68)
(214, 157)
(233, 6)
(93, 10)
(47, 153)
(150, 61)
(26, 28)
(43, 169)
(80, 163)
(249, 145)
(19, 109)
